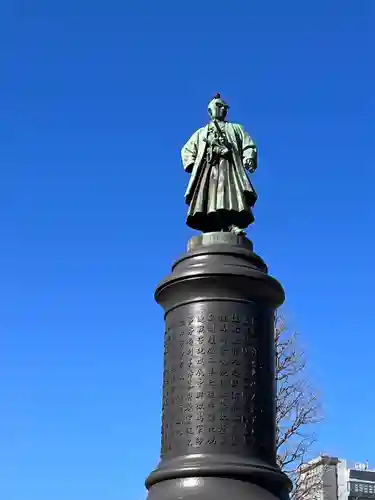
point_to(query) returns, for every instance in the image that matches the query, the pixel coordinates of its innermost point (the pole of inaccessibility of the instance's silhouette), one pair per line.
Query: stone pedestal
(218, 423)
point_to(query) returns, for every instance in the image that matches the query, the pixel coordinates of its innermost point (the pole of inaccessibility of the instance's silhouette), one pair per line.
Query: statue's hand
(224, 151)
(250, 165)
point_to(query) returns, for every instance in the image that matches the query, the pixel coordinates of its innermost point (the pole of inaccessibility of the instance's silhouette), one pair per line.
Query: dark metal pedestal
(218, 431)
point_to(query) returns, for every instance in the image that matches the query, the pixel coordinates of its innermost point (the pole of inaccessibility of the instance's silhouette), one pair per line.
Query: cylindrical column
(218, 422)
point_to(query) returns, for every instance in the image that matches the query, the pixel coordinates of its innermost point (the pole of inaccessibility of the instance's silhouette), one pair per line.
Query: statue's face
(218, 110)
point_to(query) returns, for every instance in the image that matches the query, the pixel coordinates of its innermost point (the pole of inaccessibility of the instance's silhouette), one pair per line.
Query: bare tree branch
(297, 410)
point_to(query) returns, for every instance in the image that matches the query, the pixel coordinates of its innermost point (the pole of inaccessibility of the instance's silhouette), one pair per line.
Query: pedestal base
(218, 431)
(210, 488)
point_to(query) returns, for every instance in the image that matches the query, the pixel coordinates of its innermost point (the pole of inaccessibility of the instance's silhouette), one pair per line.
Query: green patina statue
(219, 194)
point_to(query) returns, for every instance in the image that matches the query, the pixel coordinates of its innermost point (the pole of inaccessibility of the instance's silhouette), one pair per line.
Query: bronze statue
(219, 194)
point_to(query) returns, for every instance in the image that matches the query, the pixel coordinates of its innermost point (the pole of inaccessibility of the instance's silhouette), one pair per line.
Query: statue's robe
(219, 193)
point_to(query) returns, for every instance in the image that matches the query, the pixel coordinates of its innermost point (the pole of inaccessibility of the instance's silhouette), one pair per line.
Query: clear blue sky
(96, 100)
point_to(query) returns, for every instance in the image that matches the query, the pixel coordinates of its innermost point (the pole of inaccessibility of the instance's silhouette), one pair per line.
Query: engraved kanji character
(191, 320)
(250, 332)
(236, 340)
(211, 394)
(200, 417)
(212, 382)
(199, 373)
(199, 428)
(200, 350)
(200, 361)
(199, 407)
(211, 327)
(189, 408)
(190, 341)
(198, 441)
(224, 328)
(200, 329)
(211, 440)
(235, 351)
(212, 339)
(200, 395)
(210, 317)
(223, 416)
(200, 318)
(224, 373)
(211, 417)
(235, 318)
(235, 409)
(236, 373)
(189, 430)
(224, 382)
(200, 339)
(222, 317)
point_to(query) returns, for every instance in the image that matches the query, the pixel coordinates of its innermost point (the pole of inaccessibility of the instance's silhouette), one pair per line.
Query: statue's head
(217, 108)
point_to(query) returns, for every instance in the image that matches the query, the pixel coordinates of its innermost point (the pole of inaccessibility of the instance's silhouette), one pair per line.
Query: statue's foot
(236, 230)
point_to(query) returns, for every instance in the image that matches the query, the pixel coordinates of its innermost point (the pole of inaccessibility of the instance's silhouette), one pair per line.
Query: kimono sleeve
(189, 152)
(249, 149)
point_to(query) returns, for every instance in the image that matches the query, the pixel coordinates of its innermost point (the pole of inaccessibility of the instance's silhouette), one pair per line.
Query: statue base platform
(219, 407)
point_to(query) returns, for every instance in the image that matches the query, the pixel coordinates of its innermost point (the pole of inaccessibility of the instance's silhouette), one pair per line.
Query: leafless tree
(297, 410)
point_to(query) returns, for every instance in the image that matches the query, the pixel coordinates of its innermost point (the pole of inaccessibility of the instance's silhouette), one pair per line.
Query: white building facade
(331, 478)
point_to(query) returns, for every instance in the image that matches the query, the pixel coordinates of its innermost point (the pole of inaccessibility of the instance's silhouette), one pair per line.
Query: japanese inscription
(211, 379)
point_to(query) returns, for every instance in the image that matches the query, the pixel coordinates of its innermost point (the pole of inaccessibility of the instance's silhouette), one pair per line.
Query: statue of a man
(219, 194)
